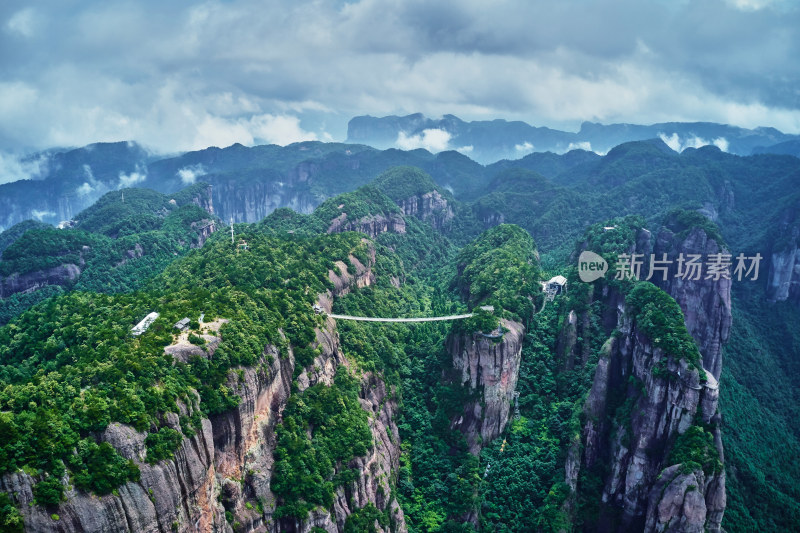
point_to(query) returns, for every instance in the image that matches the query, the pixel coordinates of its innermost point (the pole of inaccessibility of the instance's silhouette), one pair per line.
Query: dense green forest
(69, 366)
(117, 244)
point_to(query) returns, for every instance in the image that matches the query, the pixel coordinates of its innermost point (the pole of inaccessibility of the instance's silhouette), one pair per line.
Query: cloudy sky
(179, 75)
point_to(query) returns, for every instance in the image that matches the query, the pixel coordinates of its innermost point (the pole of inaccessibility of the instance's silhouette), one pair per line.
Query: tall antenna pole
(231, 230)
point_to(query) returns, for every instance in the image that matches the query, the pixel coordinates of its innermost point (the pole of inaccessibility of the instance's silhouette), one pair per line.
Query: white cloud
(219, 72)
(189, 175)
(721, 143)
(85, 189)
(584, 145)
(679, 144)
(22, 22)
(91, 185)
(15, 168)
(524, 148)
(466, 150)
(673, 141)
(434, 140)
(282, 130)
(129, 180)
(258, 129)
(39, 215)
(751, 5)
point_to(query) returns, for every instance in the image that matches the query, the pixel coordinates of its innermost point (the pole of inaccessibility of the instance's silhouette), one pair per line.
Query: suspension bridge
(319, 310)
(421, 319)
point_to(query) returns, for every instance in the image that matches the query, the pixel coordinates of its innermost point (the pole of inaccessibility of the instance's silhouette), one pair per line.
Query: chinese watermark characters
(690, 267)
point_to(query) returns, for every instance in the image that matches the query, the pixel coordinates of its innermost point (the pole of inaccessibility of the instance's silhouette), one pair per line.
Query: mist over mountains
(492, 140)
(250, 182)
(396, 233)
(371, 266)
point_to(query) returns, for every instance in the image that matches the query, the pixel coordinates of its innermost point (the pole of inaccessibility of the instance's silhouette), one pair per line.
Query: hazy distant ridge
(492, 140)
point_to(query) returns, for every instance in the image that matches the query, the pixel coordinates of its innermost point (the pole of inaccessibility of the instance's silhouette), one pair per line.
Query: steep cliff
(372, 225)
(417, 195)
(179, 494)
(706, 303)
(783, 282)
(221, 476)
(500, 269)
(489, 368)
(641, 402)
(431, 207)
(650, 441)
(366, 210)
(250, 202)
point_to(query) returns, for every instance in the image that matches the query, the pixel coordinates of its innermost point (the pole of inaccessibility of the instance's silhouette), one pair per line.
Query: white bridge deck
(423, 319)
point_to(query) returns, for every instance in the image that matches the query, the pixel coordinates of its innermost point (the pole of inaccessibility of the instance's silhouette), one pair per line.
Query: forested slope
(529, 418)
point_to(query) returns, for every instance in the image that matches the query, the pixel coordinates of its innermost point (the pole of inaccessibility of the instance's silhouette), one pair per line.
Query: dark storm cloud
(746, 53)
(180, 75)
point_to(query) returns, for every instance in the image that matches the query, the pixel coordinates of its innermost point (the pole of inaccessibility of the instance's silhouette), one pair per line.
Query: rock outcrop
(489, 368)
(784, 262)
(643, 400)
(204, 229)
(205, 200)
(174, 495)
(64, 275)
(431, 207)
(677, 503)
(343, 280)
(706, 303)
(220, 478)
(371, 225)
(663, 397)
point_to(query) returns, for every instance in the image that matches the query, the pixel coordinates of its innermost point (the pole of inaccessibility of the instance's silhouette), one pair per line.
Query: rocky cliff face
(372, 225)
(489, 216)
(343, 281)
(204, 229)
(174, 495)
(253, 201)
(375, 469)
(706, 303)
(205, 200)
(489, 368)
(643, 401)
(431, 207)
(226, 468)
(640, 401)
(784, 263)
(64, 275)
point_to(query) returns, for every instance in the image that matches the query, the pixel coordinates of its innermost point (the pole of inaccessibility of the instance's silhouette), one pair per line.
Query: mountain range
(490, 141)
(617, 405)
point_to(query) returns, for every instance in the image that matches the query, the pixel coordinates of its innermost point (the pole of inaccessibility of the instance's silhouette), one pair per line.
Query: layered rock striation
(651, 433)
(489, 369)
(706, 303)
(371, 225)
(219, 479)
(783, 281)
(431, 207)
